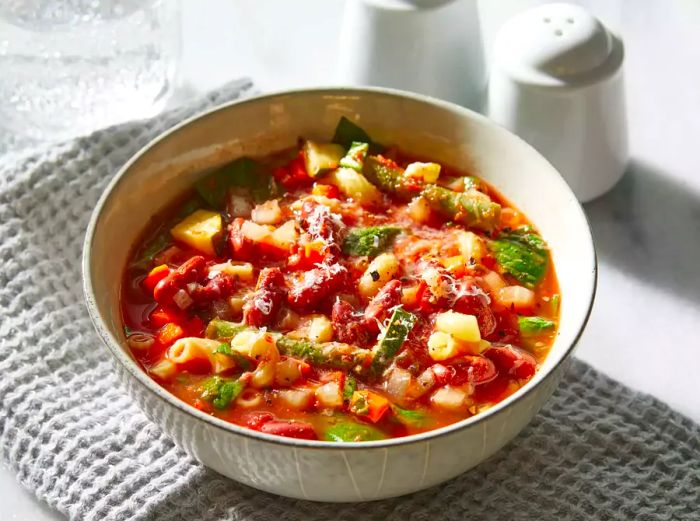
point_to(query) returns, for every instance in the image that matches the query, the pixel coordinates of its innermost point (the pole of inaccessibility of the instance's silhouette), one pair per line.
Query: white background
(645, 326)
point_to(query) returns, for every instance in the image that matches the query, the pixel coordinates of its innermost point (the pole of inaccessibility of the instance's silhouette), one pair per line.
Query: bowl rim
(132, 367)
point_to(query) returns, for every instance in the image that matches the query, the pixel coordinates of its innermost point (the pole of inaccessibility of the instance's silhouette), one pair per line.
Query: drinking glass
(70, 66)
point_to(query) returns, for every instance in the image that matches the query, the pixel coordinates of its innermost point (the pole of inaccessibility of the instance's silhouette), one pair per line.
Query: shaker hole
(559, 32)
(569, 20)
(546, 19)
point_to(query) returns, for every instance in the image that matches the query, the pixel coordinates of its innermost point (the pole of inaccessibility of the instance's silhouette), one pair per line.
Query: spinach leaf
(348, 132)
(369, 241)
(352, 431)
(523, 254)
(243, 172)
(534, 325)
(221, 392)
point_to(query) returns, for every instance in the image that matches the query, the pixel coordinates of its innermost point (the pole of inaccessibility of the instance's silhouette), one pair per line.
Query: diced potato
(517, 297)
(442, 346)
(461, 326)
(320, 329)
(165, 369)
(285, 236)
(268, 212)
(380, 271)
(199, 230)
(287, 372)
(471, 246)
(235, 303)
(257, 232)
(428, 172)
(450, 399)
(493, 281)
(354, 185)
(329, 395)
(419, 210)
(241, 270)
(299, 399)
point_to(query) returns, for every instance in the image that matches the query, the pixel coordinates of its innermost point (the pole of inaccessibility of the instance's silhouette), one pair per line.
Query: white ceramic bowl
(327, 471)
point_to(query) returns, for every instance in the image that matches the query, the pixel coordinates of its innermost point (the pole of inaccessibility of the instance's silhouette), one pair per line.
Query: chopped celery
(400, 325)
(369, 241)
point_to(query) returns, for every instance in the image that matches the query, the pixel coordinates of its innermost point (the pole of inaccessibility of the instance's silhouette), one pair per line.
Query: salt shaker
(427, 46)
(556, 81)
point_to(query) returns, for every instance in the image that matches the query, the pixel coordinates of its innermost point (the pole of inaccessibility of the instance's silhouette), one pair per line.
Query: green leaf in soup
(530, 326)
(352, 431)
(155, 246)
(369, 241)
(220, 392)
(243, 172)
(523, 254)
(411, 417)
(348, 132)
(350, 387)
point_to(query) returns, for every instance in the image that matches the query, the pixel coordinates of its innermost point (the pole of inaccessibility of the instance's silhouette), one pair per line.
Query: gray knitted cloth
(596, 451)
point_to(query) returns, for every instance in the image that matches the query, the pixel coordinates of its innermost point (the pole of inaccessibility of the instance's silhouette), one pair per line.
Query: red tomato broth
(484, 381)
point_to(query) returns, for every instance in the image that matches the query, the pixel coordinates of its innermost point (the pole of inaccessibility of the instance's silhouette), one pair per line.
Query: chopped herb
(369, 241)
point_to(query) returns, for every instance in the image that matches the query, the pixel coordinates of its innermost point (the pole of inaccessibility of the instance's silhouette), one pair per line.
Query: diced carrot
(329, 191)
(169, 333)
(369, 404)
(155, 276)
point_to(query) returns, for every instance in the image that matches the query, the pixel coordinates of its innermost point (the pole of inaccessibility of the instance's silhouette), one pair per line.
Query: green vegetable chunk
(389, 179)
(347, 133)
(352, 431)
(523, 254)
(220, 391)
(400, 325)
(369, 241)
(411, 417)
(222, 329)
(350, 387)
(355, 157)
(472, 208)
(241, 361)
(331, 354)
(320, 158)
(530, 326)
(243, 172)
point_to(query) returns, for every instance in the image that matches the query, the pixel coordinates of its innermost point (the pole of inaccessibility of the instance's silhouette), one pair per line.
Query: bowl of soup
(339, 294)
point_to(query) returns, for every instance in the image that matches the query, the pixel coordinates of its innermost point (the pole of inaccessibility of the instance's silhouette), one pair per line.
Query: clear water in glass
(70, 66)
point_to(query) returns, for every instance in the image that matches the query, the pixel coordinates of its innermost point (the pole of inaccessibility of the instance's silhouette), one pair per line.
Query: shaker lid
(557, 45)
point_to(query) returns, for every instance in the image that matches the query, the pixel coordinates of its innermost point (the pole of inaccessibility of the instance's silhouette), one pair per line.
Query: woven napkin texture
(596, 451)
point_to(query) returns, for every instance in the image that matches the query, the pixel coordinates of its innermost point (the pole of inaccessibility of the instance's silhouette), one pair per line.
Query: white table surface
(644, 326)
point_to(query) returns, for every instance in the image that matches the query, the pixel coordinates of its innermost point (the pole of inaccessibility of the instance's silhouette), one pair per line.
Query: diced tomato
(202, 405)
(196, 366)
(155, 276)
(493, 391)
(329, 191)
(194, 327)
(169, 333)
(512, 361)
(489, 262)
(305, 256)
(255, 420)
(292, 175)
(369, 405)
(507, 329)
(160, 317)
(288, 429)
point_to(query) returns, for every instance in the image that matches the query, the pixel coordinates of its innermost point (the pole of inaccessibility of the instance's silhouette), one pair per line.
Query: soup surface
(340, 291)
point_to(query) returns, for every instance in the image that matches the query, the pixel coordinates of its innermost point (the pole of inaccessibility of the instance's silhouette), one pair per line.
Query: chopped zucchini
(369, 241)
(400, 325)
(199, 230)
(355, 157)
(390, 179)
(354, 185)
(320, 158)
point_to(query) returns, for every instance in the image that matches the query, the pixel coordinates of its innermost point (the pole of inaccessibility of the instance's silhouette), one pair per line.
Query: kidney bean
(299, 430)
(379, 308)
(473, 369)
(316, 285)
(189, 271)
(217, 288)
(348, 325)
(262, 308)
(476, 303)
(512, 361)
(507, 329)
(255, 420)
